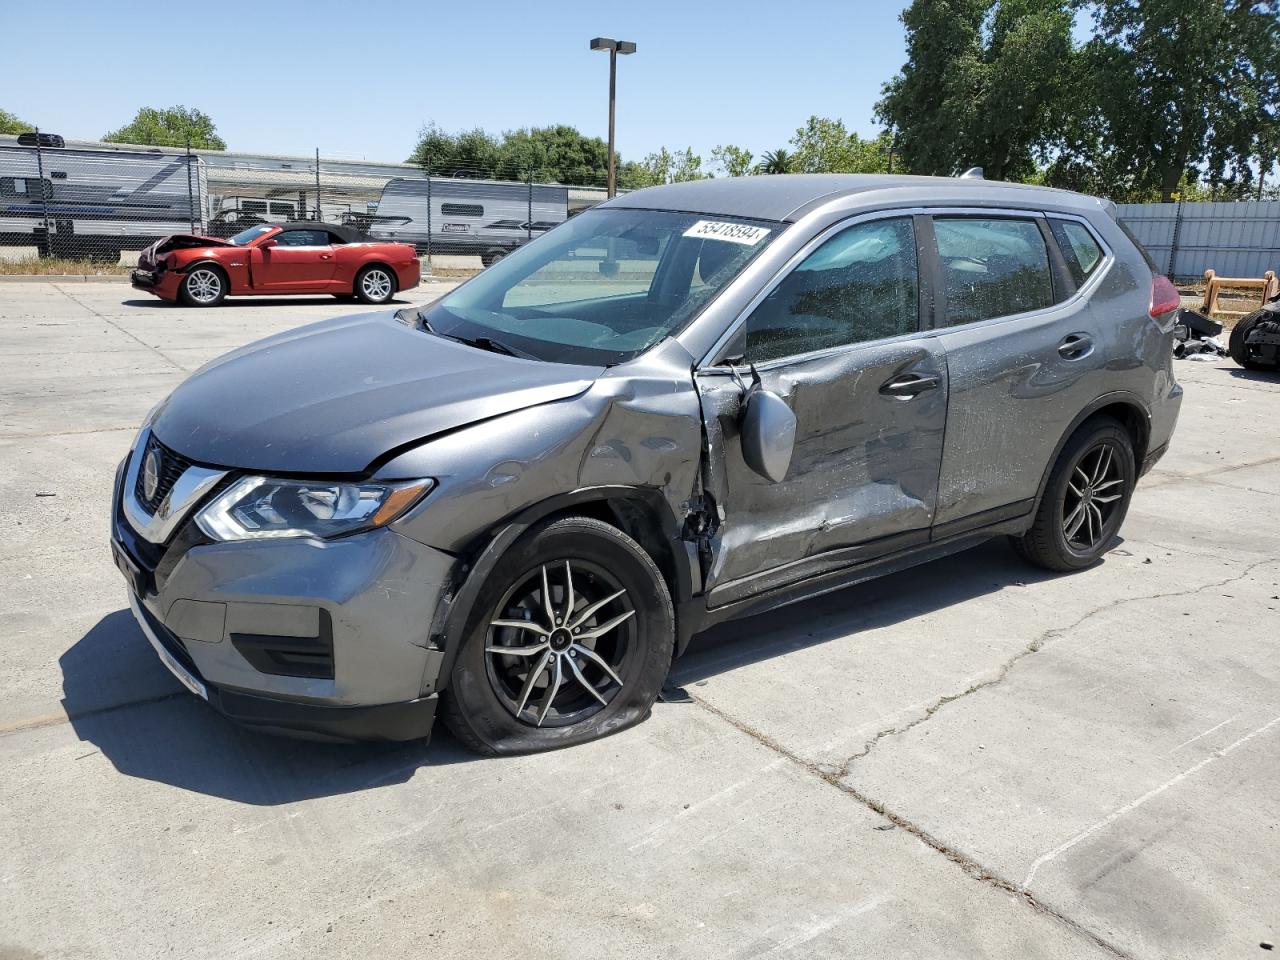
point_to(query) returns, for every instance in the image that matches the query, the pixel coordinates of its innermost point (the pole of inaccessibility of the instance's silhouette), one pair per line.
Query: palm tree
(774, 161)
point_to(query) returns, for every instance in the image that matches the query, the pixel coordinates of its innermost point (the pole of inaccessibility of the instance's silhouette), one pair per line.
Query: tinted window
(282, 209)
(1079, 249)
(859, 285)
(303, 238)
(254, 206)
(992, 268)
(462, 209)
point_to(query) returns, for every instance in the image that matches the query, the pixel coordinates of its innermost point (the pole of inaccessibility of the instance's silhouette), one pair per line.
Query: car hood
(335, 396)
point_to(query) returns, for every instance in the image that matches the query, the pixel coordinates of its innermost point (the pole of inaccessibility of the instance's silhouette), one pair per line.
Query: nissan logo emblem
(151, 474)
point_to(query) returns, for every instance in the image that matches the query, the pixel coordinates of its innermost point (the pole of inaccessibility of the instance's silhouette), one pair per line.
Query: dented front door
(863, 479)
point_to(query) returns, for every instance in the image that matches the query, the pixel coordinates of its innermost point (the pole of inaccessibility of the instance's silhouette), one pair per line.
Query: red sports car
(271, 258)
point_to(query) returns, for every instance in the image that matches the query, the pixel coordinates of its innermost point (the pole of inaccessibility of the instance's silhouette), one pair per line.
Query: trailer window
(462, 209)
(282, 210)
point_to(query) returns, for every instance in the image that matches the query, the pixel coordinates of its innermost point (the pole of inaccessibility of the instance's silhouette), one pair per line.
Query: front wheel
(203, 287)
(374, 285)
(570, 639)
(1086, 498)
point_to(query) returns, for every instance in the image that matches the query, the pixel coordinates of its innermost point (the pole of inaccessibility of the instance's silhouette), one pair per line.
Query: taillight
(1164, 296)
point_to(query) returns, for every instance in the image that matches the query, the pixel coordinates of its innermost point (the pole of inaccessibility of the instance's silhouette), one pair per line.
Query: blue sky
(360, 78)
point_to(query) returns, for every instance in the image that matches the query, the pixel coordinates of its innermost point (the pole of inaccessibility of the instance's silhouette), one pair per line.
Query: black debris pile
(1195, 337)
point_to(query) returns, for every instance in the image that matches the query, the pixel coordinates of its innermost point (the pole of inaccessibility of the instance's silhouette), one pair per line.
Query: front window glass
(604, 286)
(252, 233)
(992, 268)
(860, 285)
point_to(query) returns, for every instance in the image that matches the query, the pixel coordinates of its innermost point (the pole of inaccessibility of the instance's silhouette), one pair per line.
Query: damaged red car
(271, 258)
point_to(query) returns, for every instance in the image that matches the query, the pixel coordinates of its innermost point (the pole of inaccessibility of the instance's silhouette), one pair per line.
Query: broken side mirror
(768, 434)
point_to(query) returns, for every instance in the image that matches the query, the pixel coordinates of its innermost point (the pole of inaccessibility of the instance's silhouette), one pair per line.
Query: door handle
(910, 385)
(1075, 346)
(324, 256)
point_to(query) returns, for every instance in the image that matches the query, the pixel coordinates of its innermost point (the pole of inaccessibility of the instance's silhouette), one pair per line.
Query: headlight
(255, 508)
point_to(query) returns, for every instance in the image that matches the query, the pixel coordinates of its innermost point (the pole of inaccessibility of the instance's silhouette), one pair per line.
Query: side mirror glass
(768, 434)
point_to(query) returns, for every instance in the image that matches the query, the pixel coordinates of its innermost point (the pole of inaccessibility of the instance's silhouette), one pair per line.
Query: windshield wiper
(480, 343)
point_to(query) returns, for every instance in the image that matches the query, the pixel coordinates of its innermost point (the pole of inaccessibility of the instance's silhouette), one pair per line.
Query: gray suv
(691, 403)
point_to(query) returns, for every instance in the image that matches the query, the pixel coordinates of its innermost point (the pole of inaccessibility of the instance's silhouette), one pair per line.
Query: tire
(374, 284)
(203, 286)
(490, 257)
(1240, 332)
(493, 706)
(1098, 462)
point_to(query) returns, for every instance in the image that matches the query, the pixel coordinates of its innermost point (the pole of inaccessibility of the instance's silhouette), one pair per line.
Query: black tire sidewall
(487, 723)
(1118, 438)
(357, 288)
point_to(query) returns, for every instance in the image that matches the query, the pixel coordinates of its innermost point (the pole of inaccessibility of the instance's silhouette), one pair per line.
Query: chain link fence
(88, 200)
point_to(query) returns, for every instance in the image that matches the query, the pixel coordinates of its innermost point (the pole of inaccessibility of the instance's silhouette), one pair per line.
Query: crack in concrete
(971, 867)
(1034, 646)
(133, 336)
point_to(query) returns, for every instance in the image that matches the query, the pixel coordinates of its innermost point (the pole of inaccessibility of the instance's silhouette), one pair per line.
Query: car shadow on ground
(119, 697)
(1256, 376)
(302, 301)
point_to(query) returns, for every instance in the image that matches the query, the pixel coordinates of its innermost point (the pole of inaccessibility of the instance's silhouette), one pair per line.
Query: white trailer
(485, 217)
(78, 202)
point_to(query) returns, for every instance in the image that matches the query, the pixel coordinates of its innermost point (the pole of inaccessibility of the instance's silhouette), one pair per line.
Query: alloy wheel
(376, 285)
(1092, 497)
(559, 648)
(204, 286)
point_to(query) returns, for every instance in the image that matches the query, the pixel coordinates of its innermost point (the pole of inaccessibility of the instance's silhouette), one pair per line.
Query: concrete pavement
(971, 759)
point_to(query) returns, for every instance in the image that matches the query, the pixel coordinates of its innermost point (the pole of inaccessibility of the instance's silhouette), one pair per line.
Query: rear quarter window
(1079, 249)
(1124, 227)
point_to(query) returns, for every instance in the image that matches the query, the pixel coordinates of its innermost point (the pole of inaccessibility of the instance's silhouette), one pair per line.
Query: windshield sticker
(732, 232)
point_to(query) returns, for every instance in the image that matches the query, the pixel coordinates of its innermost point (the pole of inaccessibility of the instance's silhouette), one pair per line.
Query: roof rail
(973, 173)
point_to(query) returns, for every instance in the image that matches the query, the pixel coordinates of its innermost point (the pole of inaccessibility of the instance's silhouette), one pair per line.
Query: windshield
(253, 233)
(603, 287)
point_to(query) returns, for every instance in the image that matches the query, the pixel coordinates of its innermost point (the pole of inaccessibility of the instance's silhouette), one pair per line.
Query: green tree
(774, 161)
(731, 160)
(169, 127)
(981, 85)
(555, 154)
(823, 145)
(469, 153)
(1178, 88)
(663, 166)
(11, 124)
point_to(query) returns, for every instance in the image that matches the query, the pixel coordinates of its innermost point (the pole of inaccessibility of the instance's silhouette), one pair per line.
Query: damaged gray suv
(516, 505)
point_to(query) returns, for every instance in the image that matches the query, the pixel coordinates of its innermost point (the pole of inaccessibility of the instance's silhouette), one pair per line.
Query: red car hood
(179, 241)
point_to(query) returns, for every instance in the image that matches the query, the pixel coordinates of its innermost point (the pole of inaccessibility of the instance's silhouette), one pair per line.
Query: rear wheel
(204, 286)
(490, 257)
(376, 284)
(570, 639)
(1086, 499)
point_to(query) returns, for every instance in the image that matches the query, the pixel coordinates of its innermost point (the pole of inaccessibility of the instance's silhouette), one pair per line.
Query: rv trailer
(489, 218)
(77, 202)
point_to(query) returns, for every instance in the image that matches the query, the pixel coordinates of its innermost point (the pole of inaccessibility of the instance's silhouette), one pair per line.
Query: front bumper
(162, 283)
(327, 639)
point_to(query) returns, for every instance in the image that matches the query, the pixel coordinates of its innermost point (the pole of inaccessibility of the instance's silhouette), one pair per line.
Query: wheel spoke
(1072, 524)
(1073, 489)
(546, 599)
(521, 625)
(557, 678)
(1108, 499)
(519, 651)
(1088, 526)
(597, 660)
(1084, 477)
(568, 590)
(1103, 465)
(600, 631)
(577, 672)
(590, 611)
(1097, 515)
(1105, 486)
(530, 680)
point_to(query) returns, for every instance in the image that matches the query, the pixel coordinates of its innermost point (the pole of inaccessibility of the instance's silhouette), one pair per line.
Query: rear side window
(1079, 249)
(303, 238)
(992, 268)
(859, 285)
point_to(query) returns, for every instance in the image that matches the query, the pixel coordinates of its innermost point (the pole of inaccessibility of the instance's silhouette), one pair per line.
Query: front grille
(172, 466)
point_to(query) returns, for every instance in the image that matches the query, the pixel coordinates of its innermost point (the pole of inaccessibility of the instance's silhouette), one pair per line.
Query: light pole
(614, 47)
